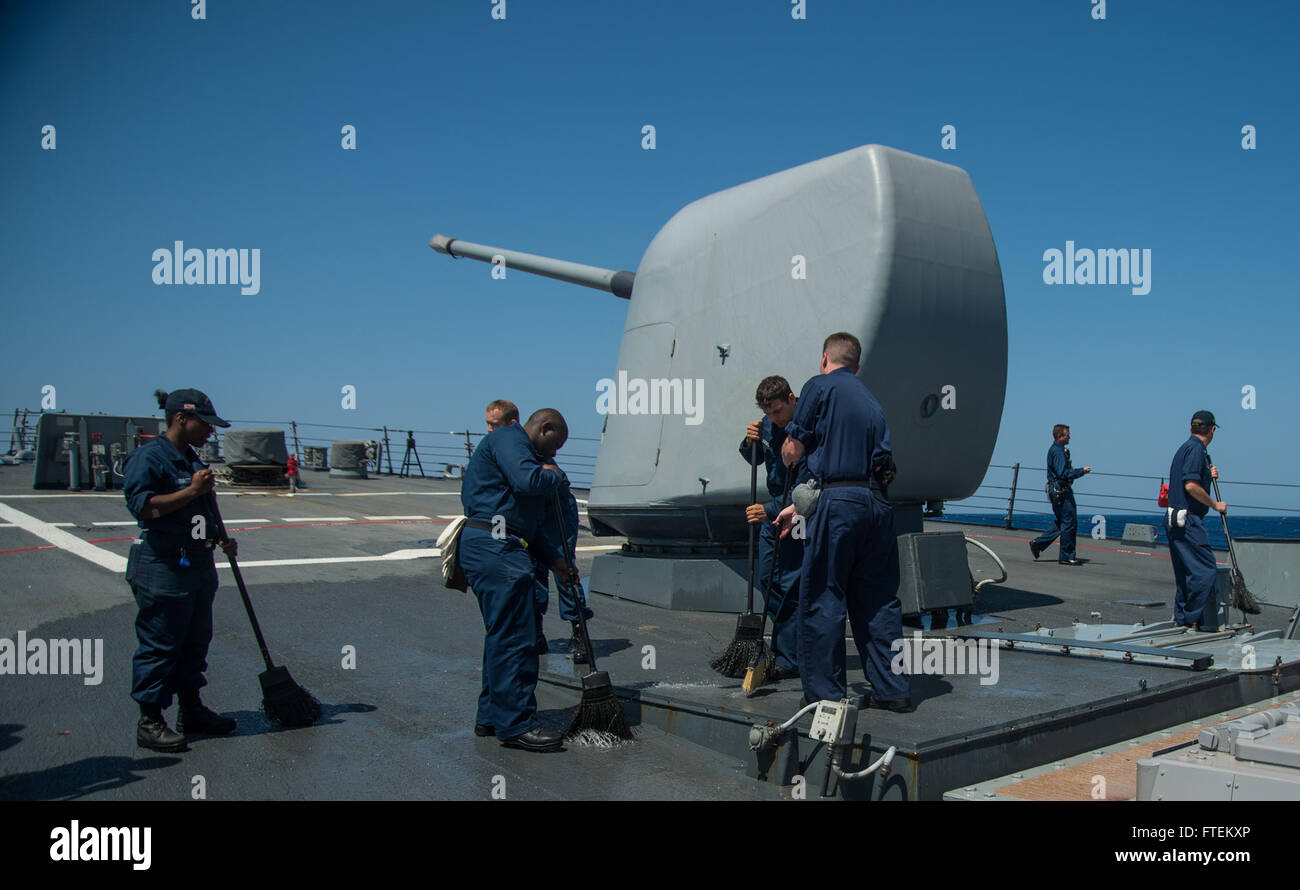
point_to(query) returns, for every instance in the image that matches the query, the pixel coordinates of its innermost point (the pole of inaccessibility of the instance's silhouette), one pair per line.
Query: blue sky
(526, 133)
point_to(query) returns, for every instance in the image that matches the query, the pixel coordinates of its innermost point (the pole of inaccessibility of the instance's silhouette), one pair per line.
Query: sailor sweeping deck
(506, 490)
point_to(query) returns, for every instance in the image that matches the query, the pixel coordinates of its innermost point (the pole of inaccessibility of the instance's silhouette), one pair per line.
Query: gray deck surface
(399, 726)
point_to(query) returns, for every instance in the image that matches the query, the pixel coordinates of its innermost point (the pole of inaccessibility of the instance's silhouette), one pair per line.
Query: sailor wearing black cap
(1190, 475)
(507, 492)
(1060, 492)
(851, 554)
(171, 571)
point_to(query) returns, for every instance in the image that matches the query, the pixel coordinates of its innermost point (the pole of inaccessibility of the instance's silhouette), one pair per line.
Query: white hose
(1001, 567)
(787, 724)
(885, 760)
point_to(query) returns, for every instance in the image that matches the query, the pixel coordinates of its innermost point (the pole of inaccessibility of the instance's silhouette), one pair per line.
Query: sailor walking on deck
(777, 402)
(1060, 491)
(851, 555)
(1195, 568)
(172, 573)
(506, 493)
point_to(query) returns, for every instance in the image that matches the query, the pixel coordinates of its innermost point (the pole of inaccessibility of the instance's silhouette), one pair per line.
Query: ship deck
(346, 563)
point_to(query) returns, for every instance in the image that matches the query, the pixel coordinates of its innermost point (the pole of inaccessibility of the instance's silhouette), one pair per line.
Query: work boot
(538, 738)
(542, 646)
(1035, 549)
(152, 732)
(580, 653)
(197, 719)
(776, 674)
(897, 705)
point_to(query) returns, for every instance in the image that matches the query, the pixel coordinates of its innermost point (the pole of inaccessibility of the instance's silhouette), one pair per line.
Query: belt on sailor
(854, 483)
(490, 527)
(179, 542)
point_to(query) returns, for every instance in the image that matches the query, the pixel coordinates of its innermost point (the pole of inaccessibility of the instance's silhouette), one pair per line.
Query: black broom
(1242, 598)
(756, 672)
(599, 709)
(284, 701)
(735, 659)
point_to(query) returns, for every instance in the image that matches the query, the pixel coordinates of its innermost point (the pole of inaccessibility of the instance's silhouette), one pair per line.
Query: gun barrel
(618, 283)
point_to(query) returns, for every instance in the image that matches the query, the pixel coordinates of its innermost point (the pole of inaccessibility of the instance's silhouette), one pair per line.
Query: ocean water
(1239, 526)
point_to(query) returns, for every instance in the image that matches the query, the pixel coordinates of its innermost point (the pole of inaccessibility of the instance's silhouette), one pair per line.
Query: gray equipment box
(1254, 758)
(933, 571)
(256, 448)
(51, 469)
(1139, 533)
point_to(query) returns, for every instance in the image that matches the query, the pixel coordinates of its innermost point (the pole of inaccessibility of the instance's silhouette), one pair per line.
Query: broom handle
(239, 578)
(776, 549)
(753, 497)
(1232, 554)
(574, 589)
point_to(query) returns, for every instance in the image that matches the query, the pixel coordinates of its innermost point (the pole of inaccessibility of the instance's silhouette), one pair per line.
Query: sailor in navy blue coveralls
(172, 574)
(1061, 472)
(1195, 568)
(502, 412)
(783, 599)
(507, 491)
(851, 555)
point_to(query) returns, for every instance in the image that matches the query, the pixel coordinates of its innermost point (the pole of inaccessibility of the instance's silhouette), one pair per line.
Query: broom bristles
(292, 707)
(756, 674)
(599, 712)
(1242, 598)
(735, 659)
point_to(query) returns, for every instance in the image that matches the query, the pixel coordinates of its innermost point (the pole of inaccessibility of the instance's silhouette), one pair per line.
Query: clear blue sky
(526, 133)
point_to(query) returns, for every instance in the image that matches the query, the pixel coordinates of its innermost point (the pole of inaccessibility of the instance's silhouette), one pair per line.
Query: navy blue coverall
(850, 559)
(1189, 546)
(569, 508)
(1067, 514)
(783, 601)
(505, 478)
(172, 576)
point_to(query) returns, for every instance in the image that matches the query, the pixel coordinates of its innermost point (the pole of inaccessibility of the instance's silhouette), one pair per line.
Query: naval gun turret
(747, 282)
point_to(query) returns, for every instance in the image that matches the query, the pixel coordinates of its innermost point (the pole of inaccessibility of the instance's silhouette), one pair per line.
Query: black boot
(580, 653)
(152, 732)
(538, 738)
(194, 718)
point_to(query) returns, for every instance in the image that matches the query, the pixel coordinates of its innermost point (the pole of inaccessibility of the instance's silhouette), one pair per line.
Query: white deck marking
(378, 518)
(424, 553)
(89, 494)
(600, 547)
(319, 519)
(378, 494)
(64, 541)
(133, 522)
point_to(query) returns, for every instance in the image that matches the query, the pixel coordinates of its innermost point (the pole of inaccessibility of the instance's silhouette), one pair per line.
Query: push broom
(283, 700)
(1242, 598)
(756, 672)
(599, 709)
(748, 641)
